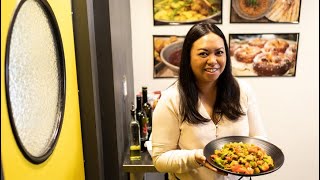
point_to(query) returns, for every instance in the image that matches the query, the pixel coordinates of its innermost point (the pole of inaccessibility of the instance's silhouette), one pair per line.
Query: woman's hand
(201, 159)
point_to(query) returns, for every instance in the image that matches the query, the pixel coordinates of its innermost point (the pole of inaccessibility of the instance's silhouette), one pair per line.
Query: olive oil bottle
(135, 143)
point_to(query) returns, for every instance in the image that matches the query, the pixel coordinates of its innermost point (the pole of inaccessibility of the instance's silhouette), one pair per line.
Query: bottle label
(145, 129)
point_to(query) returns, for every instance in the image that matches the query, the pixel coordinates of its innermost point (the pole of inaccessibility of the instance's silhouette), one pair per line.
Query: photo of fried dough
(263, 54)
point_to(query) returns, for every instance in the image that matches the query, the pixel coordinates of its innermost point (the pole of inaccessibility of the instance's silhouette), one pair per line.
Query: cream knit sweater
(174, 143)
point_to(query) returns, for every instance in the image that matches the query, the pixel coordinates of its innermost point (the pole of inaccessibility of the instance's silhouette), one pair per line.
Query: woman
(206, 103)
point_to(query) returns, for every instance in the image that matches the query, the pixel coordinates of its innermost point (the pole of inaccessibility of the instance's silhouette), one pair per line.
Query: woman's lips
(212, 70)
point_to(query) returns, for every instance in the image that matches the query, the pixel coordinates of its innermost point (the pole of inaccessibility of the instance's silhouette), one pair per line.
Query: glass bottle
(147, 108)
(143, 125)
(135, 143)
(144, 138)
(139, 114)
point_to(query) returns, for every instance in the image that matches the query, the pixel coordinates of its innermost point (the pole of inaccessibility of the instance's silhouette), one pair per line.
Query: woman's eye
(219, 53)
(203, 54)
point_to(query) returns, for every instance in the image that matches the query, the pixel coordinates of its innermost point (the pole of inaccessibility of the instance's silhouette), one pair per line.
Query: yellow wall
(66, 161)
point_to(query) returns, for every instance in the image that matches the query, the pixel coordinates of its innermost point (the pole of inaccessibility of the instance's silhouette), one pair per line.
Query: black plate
(272, 150)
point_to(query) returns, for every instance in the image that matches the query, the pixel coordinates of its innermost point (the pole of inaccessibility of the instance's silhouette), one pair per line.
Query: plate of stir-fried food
(185, 11)
(244, 156)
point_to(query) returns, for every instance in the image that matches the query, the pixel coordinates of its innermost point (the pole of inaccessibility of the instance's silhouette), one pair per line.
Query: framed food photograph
(180, 12)
(166, 55)
(268, 55)
(265, 11)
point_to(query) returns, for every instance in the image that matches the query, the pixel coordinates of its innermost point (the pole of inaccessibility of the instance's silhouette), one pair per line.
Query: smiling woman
(206, 103)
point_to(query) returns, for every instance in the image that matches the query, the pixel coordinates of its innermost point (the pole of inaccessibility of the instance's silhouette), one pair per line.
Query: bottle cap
(132, 108)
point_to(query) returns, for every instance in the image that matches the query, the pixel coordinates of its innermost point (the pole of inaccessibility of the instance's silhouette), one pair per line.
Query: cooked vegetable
(183, 10)
(251, 2)
(242, 158)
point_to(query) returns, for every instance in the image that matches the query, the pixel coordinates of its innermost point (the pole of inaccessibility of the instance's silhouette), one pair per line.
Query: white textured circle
(34, 81)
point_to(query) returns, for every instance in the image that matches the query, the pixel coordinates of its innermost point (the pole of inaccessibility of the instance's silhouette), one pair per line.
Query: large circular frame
(62, 82)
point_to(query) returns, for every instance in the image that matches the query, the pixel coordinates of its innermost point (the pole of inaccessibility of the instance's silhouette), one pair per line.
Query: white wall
(289, 105)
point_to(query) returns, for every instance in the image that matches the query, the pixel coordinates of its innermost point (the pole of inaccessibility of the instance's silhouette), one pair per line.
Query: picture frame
(182, 12)
(264, 54)
(166, 55)
(265, 11)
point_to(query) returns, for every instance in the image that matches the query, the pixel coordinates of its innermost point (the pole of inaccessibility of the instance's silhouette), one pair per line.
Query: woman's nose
(212, 59)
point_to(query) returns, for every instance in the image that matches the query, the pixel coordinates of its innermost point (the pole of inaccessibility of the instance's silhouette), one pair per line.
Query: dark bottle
(147, 109)
(139, 114)
(135, 143)
(144, 138)
(143, 126)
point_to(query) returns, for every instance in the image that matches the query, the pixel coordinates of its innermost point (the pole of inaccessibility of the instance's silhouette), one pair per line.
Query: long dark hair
(228, 91)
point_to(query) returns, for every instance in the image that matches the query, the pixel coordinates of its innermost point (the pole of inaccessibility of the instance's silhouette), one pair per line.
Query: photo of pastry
(265, 11)
(263, 54)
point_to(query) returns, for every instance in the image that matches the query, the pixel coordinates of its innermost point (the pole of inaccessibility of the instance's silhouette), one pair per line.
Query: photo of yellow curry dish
(186, 11)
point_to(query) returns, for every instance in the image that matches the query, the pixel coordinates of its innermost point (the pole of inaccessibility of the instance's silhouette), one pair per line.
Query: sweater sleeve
(166, 154)
(256, 125)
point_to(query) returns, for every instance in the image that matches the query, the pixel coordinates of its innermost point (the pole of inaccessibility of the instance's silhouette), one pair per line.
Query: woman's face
(208, 58)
